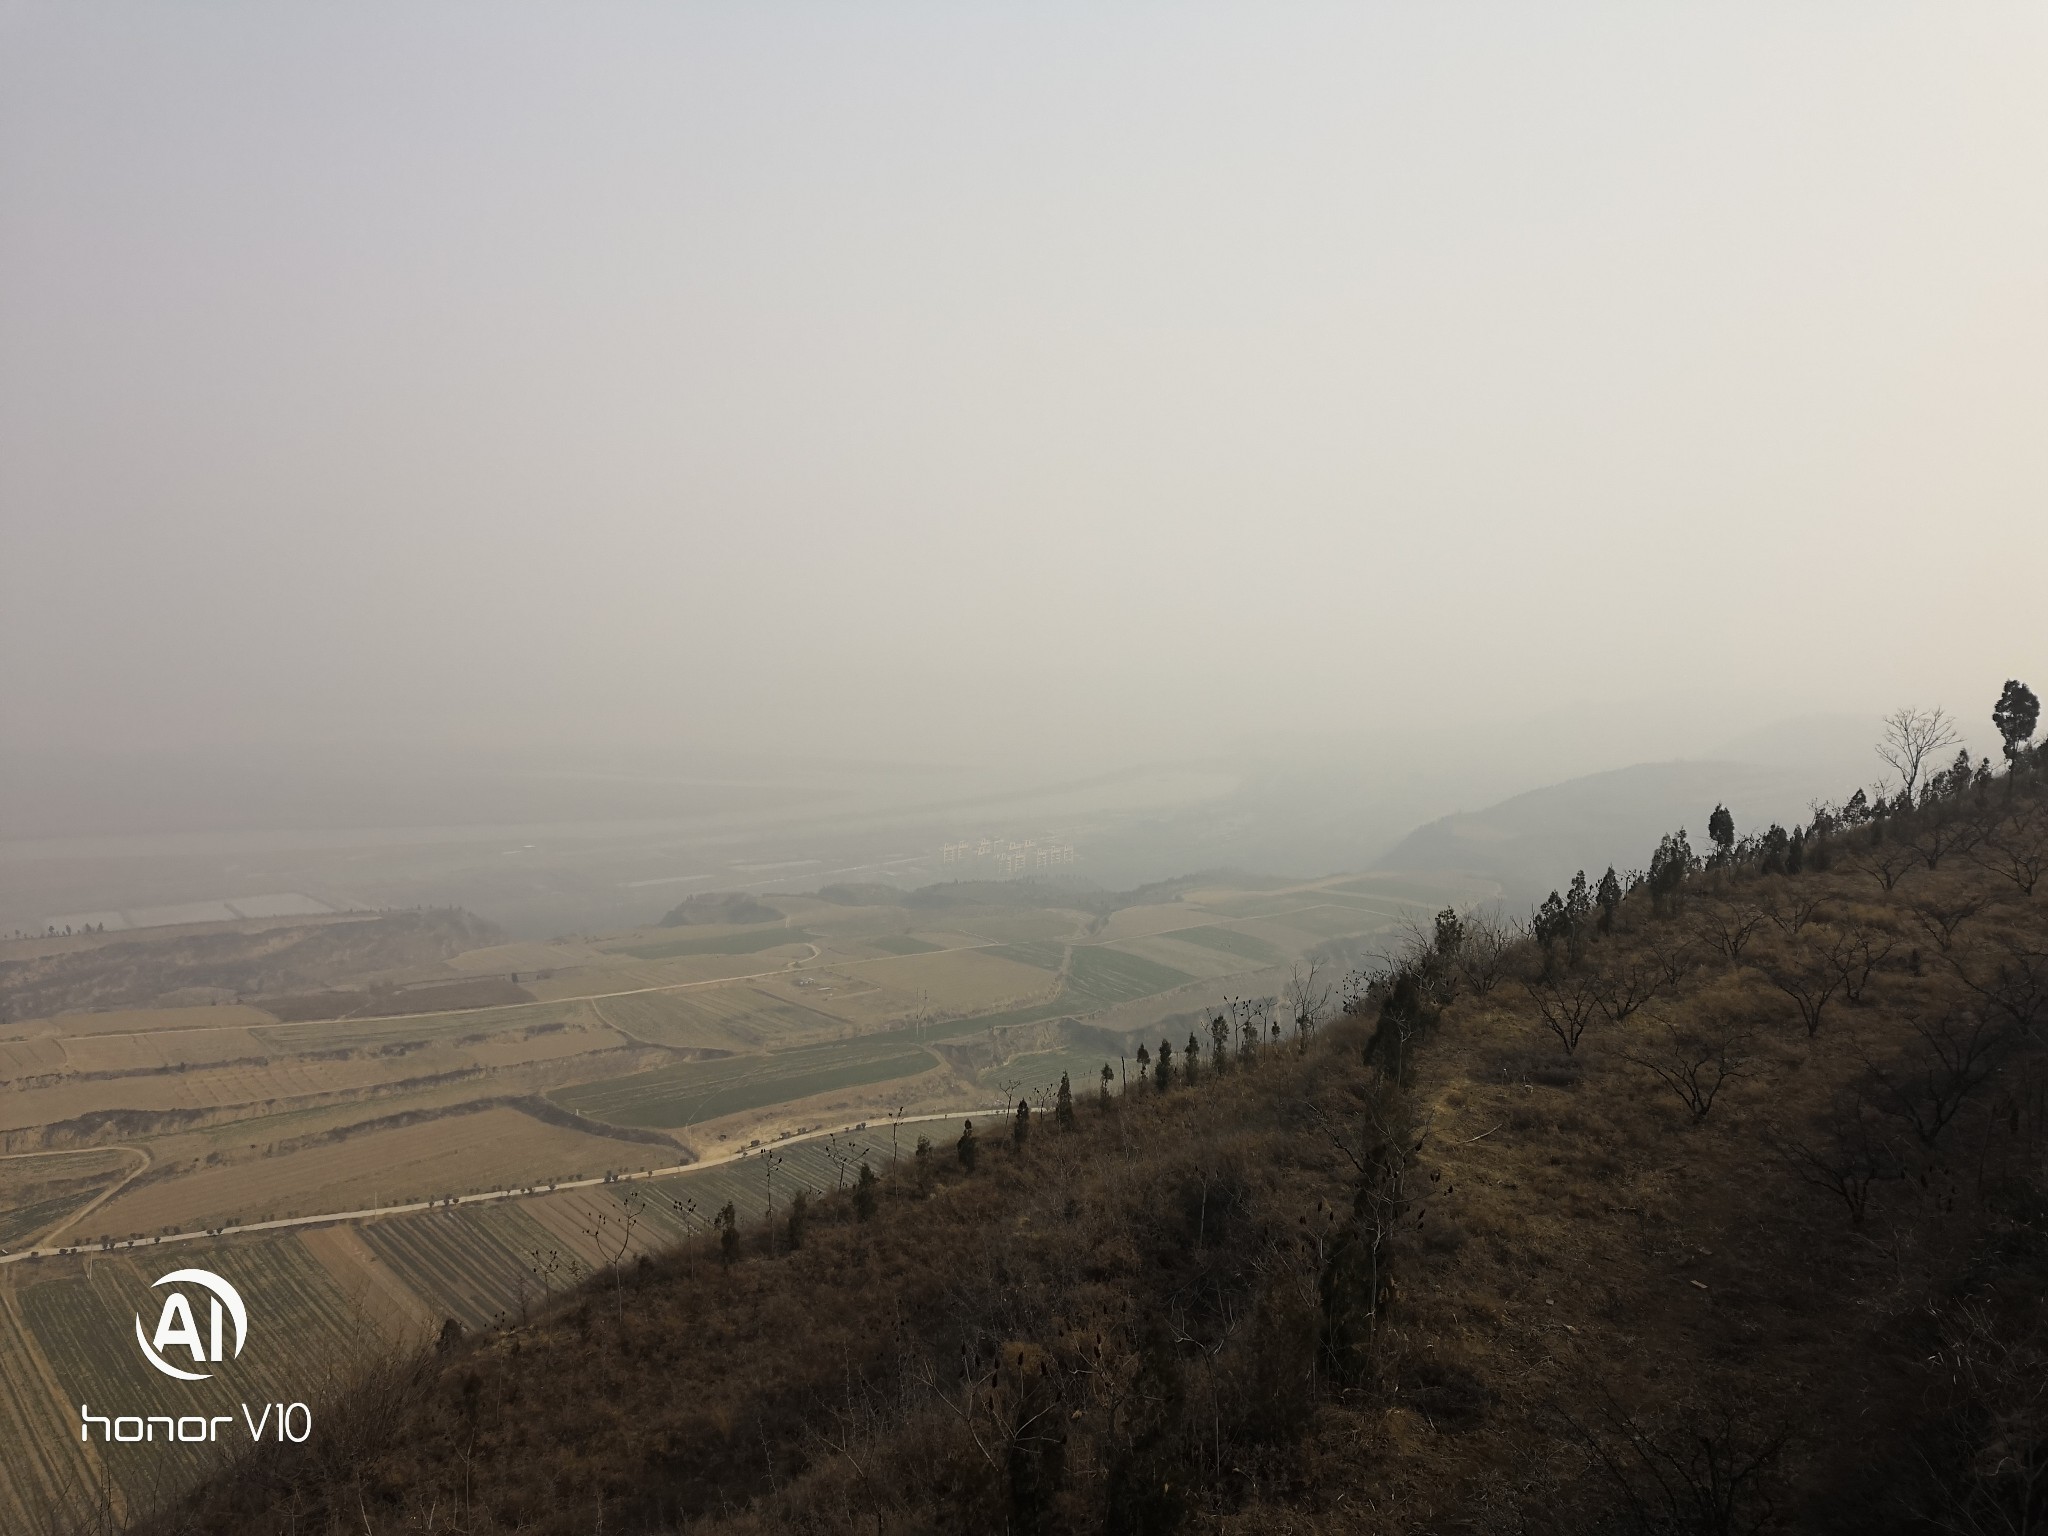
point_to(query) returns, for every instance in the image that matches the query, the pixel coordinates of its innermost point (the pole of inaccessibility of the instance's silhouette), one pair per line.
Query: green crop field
(900, 944)
(1228, 941)
(1105, 976)
(1045, 954)
(749, 943)
(681, 1095)
(475, 1263)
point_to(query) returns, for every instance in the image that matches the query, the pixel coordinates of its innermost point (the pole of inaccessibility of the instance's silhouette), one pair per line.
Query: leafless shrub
(1624, 984)
(2016, 846)
(1483, 958)
(1675, 952)
(1848, 1154)
(1694, 1063)
(1886, 862)
(1992, 1475)
(1940, 916)
(1853, 954)
(1712, 1472)
(1791, 910)
(2011, 978)
(1957, 1052)
(1938, 830)
(1567, 1004)
(1730, 925)
(1810, 976)
(1308, 998)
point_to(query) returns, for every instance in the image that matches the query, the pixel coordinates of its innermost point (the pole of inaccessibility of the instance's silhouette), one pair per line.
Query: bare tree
(1850, 1154)
(1854, 954)
(1886, 862)
(2016, 846)
(1623, 985)
(1810, 978)
(1567, 1005)
(1794, 908)
(1927, 1086)
(1695, 1063)
(1675, 952)
(1482, 960)
(1911, 737)
(2011, 978)
(1307, 998)
(1940, 916)
(1713, 1471)
(1730, 925)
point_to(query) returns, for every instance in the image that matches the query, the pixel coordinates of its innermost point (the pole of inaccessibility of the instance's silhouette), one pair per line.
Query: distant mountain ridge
(1607, 818)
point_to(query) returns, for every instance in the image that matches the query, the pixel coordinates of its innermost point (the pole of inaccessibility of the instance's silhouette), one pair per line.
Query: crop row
(470, 1263)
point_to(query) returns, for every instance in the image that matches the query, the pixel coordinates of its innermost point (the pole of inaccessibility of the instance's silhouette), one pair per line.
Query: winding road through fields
(530, 1191)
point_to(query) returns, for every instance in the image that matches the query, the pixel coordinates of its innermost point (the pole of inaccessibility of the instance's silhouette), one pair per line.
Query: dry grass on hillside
(1765, 1249)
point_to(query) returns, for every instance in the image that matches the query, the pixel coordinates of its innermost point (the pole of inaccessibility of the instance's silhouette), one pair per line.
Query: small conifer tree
(728, 1223)
(1721, 831)
(1162, 1078)
(864, 1194)
(965, 1148)
(1190, 1061)
(1108, 1077)
(1020, 1128)
(1608, 898)
(799, 1211)
(1063, 1108)
(921, 1160)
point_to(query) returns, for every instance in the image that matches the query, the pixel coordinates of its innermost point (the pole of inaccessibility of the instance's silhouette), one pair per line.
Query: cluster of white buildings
(1008, 856)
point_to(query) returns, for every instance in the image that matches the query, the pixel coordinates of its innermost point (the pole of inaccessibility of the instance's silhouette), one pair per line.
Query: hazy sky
(946, 379)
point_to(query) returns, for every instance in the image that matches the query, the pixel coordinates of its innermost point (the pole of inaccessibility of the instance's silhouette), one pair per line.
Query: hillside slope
(1725, 1213)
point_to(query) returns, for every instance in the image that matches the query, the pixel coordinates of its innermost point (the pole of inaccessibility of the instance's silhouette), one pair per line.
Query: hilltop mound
(719, 907)
(285, 957)
(1722, 1207)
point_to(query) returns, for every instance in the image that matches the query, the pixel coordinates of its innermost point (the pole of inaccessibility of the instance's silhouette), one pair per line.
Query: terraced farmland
(1228, 941)
(684, 1094)
(36, 1192)
(361, 1034)
(719, 1018)
(1102, 977)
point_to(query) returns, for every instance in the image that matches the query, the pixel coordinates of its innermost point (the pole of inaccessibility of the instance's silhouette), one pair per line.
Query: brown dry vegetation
(1732, 1219)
